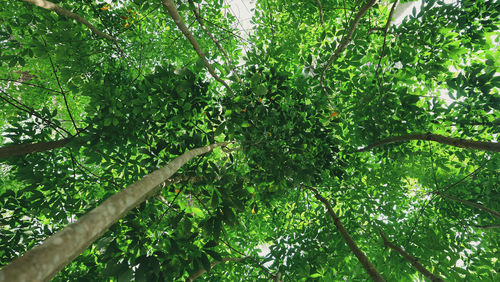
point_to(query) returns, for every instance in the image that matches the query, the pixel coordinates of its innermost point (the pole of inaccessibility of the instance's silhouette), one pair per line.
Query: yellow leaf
(253, 211)
(126, 25)
(105, 8)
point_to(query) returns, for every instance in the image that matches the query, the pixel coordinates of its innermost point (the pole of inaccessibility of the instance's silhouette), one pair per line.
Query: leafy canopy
(130, 106)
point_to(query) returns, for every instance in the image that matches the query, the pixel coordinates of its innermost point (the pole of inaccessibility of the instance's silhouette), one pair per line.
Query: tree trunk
(43, 262)
(461, 143)
(23, 149)
(368, 266)
(410, 259)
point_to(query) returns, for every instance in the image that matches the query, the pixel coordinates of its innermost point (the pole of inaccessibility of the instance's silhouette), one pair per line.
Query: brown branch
(345, 40)
(30, 84)
(200, 272)
(461, 143)
(488, 226)
(470, 204)
(219, 46)
(23, 107)
(320, 8)
(24, 149)
(60, 87)
(412, 260)
(368, 266)
(386, 28)
(172, 11)
(61, 11)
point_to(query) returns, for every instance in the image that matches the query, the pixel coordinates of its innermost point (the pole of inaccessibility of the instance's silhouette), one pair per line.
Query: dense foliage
(305, 97)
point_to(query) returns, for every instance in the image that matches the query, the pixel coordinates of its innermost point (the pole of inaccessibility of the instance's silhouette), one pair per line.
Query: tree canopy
(158, 141)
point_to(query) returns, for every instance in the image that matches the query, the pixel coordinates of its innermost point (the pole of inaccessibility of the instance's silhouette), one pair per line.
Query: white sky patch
(243, 11)
(405, 9)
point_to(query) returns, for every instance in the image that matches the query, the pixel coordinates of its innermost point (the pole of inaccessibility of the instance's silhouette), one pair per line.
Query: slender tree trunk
(44, 261)
(368, 266)
(470, 204)
(461, 143)
(23, 149)
(410, 259)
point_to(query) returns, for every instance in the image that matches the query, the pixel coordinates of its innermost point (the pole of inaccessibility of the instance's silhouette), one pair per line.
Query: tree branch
(200, 272)
(368, 266)
(386, 27)
(461, 143)
(60, 87)
(219, 46)
(413, 261)
(470, 204)
(24, 149)
(320, 8)
(345, 40)
(488, 226)
(172, 11)
(61, 11)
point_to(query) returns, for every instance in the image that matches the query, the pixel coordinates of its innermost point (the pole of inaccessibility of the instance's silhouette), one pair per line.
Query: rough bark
(367, 265)
(63, 12)
(461, 143)
(172, 11)
(200, 272)
(44, 261)
(470, 204)
(410, 259)
(23, 149)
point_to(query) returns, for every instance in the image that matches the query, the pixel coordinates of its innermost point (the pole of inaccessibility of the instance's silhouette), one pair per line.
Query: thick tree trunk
(23, 149)
(372, 271)
(468, 144)
(410, 259)
(42, 262)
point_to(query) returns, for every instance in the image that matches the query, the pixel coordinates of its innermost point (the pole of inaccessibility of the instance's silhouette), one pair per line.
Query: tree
(352, 146)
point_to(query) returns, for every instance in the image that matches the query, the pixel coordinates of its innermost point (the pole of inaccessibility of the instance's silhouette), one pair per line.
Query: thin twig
(386, 28)
(23, 107)
(30, 84)
(60, 87)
